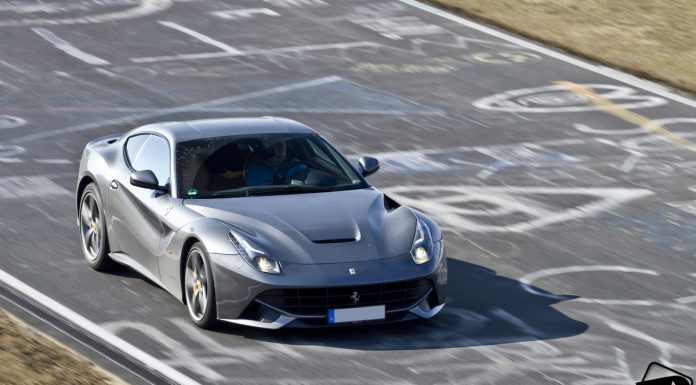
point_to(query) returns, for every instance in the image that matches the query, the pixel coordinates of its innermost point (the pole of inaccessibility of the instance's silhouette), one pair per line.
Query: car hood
(329, 227)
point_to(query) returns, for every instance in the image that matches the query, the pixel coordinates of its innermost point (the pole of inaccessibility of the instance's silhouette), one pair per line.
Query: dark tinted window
(261, 164)
(152, 154)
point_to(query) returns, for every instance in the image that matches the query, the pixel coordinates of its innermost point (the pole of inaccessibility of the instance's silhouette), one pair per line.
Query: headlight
(422, 248)
(254, 257)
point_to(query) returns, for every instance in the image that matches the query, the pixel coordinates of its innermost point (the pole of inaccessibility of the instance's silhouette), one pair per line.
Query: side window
(152, 154)
(134, 145)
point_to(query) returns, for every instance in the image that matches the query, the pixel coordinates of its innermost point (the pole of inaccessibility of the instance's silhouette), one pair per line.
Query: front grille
(315, 302)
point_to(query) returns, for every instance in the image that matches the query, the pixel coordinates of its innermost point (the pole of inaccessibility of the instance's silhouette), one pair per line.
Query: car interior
(225, 167)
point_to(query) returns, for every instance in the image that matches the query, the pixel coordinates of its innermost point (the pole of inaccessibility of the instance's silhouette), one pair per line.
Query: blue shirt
(260, 173)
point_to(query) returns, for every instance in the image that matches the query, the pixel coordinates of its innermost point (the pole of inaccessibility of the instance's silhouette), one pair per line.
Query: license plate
(355, 314)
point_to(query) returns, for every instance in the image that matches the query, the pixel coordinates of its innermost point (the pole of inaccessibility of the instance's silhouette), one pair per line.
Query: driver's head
(279, 150)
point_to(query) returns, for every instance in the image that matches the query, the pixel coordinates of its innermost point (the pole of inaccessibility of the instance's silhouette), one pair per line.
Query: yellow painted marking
(198, 286)
(607, 106)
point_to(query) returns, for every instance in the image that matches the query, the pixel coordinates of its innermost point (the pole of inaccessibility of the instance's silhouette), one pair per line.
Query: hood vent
(390, 204)
(337, 240)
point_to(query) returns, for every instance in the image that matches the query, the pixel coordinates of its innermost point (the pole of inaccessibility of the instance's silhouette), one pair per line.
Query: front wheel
(95, 246)
(198, 284)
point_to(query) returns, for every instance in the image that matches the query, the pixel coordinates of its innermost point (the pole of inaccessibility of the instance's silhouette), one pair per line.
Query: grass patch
(653, 39)
(29, 357)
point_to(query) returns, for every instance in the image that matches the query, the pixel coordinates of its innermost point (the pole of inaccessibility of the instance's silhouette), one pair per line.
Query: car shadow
(482, 308)
(126, 272)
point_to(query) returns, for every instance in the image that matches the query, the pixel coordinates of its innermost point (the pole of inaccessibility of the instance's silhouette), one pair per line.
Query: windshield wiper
(265, 190)
(219, 194)
(287, 189)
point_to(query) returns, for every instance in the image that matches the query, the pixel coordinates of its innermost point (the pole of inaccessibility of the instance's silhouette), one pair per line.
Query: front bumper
(239, 289)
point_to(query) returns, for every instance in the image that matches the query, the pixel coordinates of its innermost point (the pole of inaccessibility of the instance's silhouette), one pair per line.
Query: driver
(274, 168)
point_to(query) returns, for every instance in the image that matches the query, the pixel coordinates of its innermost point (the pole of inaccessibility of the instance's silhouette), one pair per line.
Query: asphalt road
(570, 230)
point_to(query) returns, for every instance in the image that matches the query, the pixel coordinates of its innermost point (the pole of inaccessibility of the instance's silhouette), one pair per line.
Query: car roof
(210, 128)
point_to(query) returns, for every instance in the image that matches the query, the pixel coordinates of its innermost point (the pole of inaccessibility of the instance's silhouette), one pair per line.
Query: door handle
(114, 185)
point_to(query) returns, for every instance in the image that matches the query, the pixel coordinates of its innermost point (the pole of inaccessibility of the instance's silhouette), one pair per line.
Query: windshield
(267, 164)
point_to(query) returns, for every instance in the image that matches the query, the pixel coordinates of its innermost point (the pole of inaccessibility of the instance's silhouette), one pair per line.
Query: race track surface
(570, 230)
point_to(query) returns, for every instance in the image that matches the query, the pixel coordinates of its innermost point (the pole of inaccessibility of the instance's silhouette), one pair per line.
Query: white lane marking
(664, 347)
(146, 7)
(22, 187)
(53, 161)
(659, 142)
(297, 3)
(589, 130)
(9, 152)
(270, 51)
(15, 68)
(558, 98)
(174, 110)
(396, 28)
(10, 86)
(235, 14)
(436, 151)
(526, 283)
(7, 121)
(470, 208)
(521, 324)
(205, 39)
(686, 300)
(605, 71)
(95, 330)
(69, 48)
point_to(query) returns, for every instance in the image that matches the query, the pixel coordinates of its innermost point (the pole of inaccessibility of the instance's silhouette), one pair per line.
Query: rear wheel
(95, 246)
(198, 284)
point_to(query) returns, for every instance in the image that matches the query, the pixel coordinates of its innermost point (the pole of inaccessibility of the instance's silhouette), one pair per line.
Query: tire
(199, 288)
(93, 237)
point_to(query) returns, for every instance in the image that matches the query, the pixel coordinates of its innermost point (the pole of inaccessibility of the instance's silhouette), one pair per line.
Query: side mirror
(368, 165)
(146, 179)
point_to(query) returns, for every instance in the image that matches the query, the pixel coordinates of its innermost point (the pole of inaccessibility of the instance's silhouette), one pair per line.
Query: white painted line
(53, 161)
(349, 111)
(686, 300)
(15, 68)
(174, 110)
(662, 346)
(521, 324)
(236, 14)
(7, 121)
(605, 71)
(69, 48)
(270, 51)
(205, 39)
(144, 8)
(438, 151)
(22, 187)
(443, 203)
(10, 160)
(527, 280)
(95, 330)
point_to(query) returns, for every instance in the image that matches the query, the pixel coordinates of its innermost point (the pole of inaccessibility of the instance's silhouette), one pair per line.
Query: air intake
(337, 240)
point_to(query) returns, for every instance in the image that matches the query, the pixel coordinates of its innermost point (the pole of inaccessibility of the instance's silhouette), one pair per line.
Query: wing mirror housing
(368, 165)
(146, 179)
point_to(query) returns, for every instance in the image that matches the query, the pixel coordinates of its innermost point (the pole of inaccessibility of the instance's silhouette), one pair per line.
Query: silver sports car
(259, 222)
